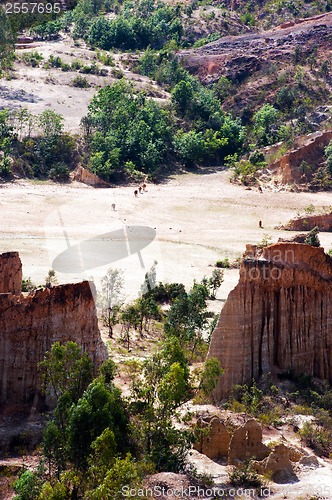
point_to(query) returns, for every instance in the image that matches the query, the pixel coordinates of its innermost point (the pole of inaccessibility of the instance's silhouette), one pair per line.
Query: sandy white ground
(197, 219)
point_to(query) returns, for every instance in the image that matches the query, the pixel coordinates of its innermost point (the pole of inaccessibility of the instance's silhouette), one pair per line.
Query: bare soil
(185, 224)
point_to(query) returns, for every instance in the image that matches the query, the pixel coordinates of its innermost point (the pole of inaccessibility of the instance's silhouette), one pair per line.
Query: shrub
(245, 475)
(257, 158)
(80, 82)
(312, 238)
(32, 58)
(318, 438)
(59, 171)
(76, 65)
(28, 486)
(245, 172)
(310, 209)
(65, 67)
(27, 285)
(55, 61)
(223, 263)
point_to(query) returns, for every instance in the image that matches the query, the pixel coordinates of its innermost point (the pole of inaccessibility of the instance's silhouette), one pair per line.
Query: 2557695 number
(32, 8)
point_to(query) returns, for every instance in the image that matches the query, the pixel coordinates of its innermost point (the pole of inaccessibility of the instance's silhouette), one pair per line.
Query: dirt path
(185, 225)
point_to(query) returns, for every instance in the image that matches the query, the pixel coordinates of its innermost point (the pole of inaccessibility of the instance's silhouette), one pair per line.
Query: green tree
(328, 155)
(7, 42)
(210, 376)
(215, 281)
(188, 317)
(129, 320)
(111, 298)
(100, 408)
(27, 486)
(160, 384)
(65, 369)
(125, 475)
(266, 125)
(50, 123)
(66, 373)
(123, 126)
(223, 88)
(190, 146)
(147, 309)
(7, 137)
(182, 96)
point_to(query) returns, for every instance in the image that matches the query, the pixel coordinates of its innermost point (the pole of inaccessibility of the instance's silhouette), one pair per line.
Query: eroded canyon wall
(30, 325)
(312, 152)
(308, 222)
(10, 273)
(278, 317)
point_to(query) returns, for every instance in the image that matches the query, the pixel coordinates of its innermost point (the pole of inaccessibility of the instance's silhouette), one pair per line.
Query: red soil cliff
(30, 325)
(278, 317)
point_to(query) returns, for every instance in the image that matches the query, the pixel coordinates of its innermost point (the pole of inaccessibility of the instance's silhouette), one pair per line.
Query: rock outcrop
(238, 57)
(312, 152)
(214, 438)
(10, 273)
(278, 464)
(246, 443)
(278, 317)
(81, 174)
(30, 325)
(308, 222)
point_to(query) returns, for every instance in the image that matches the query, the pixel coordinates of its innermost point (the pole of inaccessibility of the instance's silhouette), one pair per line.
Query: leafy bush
(245, 172)
(257, 158)
(312, 238)
(266, 125)
(27, 285)
(127, 127)
(246, 476)
(165, 293)
(328, 154)
(32, 58)
(59, 171)
(65, 67)
(27, 486)
(80, 82)
(55, 61)
(318, 438)
(223, 263)
(149, 24)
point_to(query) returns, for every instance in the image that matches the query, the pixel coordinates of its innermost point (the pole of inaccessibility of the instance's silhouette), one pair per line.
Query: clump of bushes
(80, 82)
(32, 58)
(245, 475)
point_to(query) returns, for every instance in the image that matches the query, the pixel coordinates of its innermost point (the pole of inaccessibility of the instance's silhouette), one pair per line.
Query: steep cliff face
(279, 316)
(312, 152)
(30, 325)
(10, 273)
(308, 222)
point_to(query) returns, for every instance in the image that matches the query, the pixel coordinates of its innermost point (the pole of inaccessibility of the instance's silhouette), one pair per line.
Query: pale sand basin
(185, 224)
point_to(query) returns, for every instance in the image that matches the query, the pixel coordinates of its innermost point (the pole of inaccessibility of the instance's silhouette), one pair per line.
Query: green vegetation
(121, 127)
(195, 129)
(146, 24)
(245, 475)
(312, 238)
(96, 440)
(292, 394)
(7, 40)
(49, 152)
(80, 82)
